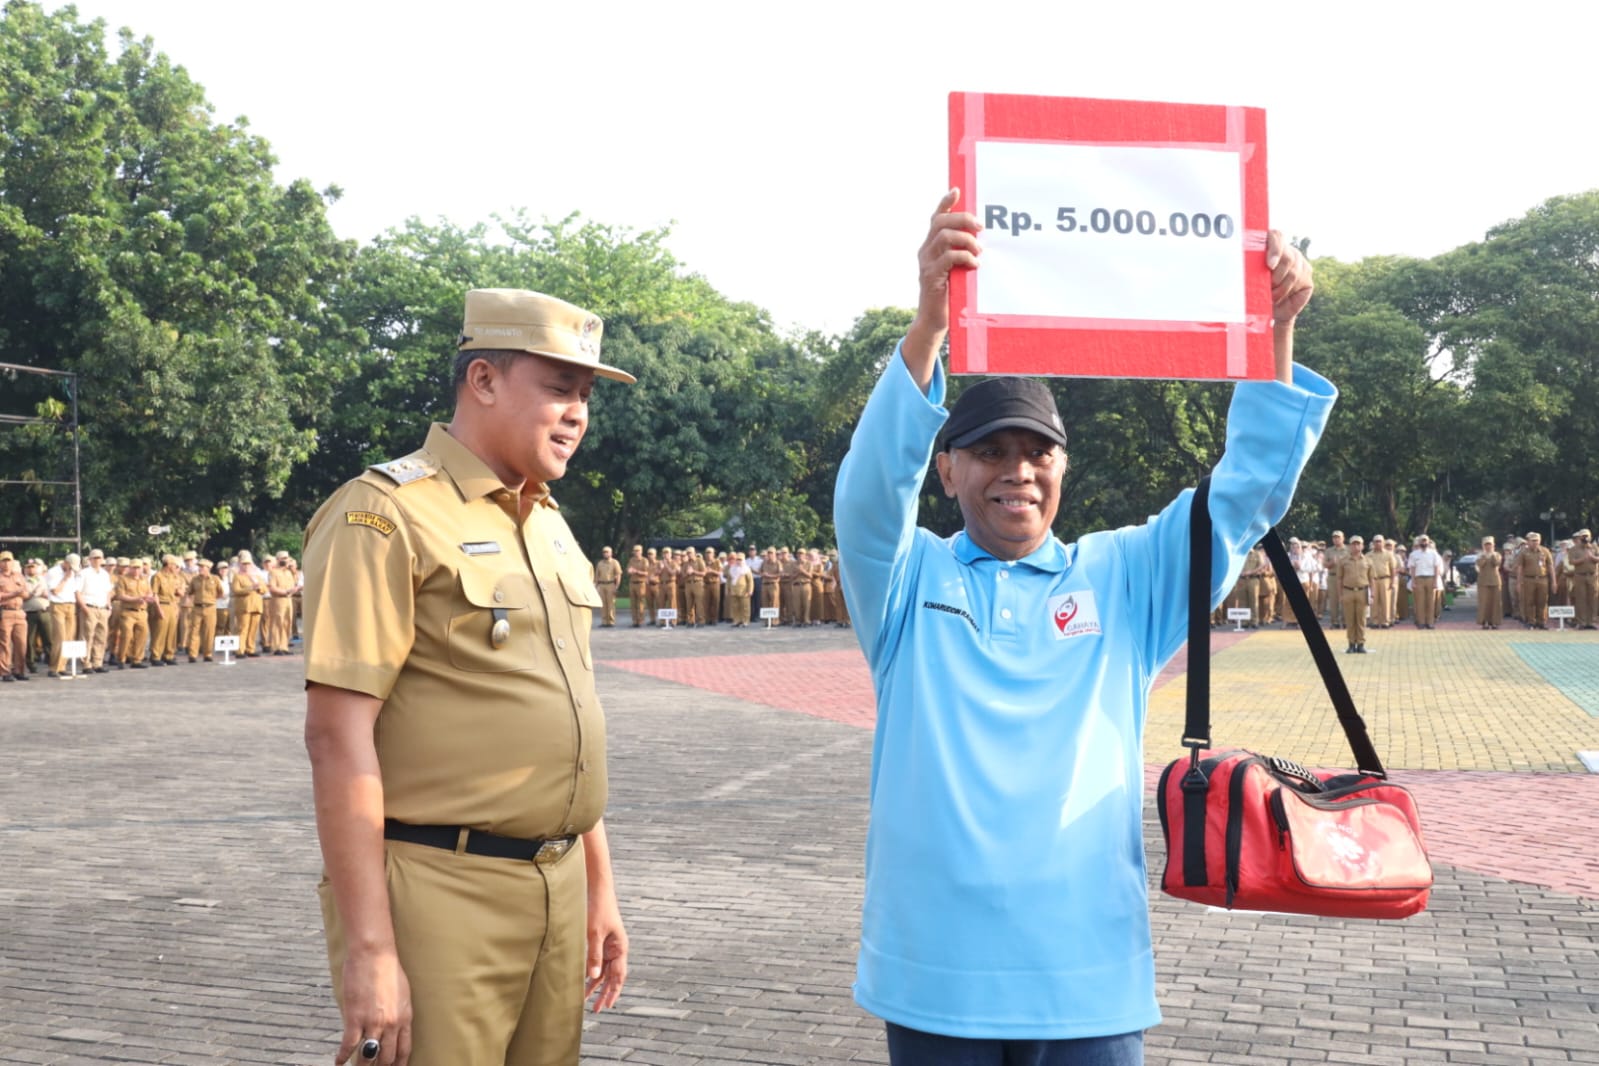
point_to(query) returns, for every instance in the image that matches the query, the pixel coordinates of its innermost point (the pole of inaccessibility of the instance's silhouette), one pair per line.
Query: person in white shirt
(94, 603)
(62, 583)
(1426, 568)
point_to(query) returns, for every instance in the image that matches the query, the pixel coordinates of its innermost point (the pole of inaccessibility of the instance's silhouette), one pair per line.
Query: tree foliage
(237, 361)
(148, 249)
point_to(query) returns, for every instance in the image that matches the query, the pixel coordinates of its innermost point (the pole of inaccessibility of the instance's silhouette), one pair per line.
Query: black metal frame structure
(77, 473)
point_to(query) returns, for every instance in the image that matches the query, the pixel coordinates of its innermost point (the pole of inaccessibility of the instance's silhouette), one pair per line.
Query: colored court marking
(1571, 668)
(1450, 714)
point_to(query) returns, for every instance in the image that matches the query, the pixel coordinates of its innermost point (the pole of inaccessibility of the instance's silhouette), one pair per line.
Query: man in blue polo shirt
(1006, 913)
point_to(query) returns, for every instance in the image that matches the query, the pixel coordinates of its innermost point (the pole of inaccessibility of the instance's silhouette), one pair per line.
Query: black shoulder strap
(1196, 730)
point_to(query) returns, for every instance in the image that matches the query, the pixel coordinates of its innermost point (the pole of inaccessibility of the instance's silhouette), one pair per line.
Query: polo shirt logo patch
(369, 520)
(1074, 614)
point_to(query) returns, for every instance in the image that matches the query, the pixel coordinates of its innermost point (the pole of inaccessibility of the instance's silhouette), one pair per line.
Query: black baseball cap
(1003, 403)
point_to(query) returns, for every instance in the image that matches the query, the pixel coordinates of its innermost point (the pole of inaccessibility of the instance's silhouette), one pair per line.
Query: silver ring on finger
(370, 1048)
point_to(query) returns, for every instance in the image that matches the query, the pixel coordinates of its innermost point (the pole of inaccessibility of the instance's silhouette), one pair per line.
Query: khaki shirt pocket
(492, 622)
(582, 600)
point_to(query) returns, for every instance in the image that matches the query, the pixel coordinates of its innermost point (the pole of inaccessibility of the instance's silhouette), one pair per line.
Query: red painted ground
(1535, 828)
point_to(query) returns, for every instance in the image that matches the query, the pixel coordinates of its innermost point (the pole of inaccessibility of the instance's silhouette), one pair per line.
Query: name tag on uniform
(481, 547)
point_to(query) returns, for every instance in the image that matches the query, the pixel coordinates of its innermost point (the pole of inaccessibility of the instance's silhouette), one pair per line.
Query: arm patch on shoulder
(383, 525)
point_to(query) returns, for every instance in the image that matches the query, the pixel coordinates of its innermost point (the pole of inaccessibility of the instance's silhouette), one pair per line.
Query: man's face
(95, 562)
(638, 552)
(605, 553)
(1008, 487)
(542, 412)
(1337, 540)
(1355, 548)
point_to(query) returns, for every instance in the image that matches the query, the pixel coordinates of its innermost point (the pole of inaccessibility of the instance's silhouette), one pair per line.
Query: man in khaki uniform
(13, 621)
(246, 587)
(1333, 558)
(691, 585)
(468, 873)
(607, 578)
(1382, 583)
(666, 575)
(713, 587)
(204, 588)
(61, 583)
(282, 581)
(638, 585)
(1354, 583)
(1489, 609)
(1533, 567)
(1249, 581)
(95, 591)
(772, 583)
(190, 568)
(133, 592)
(1583, 559)
(168, 586)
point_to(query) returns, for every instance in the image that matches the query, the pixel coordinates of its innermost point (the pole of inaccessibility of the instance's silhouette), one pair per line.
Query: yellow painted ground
(1449, 699)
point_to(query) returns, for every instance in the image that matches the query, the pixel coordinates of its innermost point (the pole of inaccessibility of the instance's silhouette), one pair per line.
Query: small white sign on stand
(1563, 613)
(74, 651)
(769, 616)
(1238, 616)
(227, 646)
(666, 615)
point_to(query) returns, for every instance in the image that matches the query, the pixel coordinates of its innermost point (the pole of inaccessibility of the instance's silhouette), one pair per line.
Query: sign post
(1238, 616)
(769, 616)
(1120, 239)
(73, 651)
(668, 615)
(1562, 613)
(227, 646)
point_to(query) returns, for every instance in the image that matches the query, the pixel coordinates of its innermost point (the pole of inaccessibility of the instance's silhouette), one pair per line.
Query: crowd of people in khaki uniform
(705, 588)
(132, 614)
(1355, 587)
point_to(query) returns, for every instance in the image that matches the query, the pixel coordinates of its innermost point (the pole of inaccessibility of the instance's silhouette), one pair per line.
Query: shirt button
(560, 642)
(569, 828)
(1004, 575)
(499, 597)
(1005, 613)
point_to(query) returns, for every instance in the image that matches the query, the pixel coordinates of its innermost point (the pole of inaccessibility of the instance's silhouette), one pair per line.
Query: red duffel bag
(1256, 832)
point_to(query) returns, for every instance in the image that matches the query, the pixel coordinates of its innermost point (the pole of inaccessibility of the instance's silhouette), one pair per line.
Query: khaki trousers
(202, 631)
(249, 623)
(1488, 606)
(281, 613)
(164, 645)
(1353, 602)
(636, 592)
(1381, 588)
(771, 595)
(1423, 593)
(96, 630)
(13, 643)
(63, 627)
(607, 604)
(494, 950)
(1535, 601)
(135, 634)
(1583, 595)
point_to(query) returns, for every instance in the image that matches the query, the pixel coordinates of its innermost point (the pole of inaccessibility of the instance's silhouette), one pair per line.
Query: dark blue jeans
(912, 1047)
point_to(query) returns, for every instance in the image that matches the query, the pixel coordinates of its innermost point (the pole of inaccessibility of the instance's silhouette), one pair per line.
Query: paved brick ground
(158, 862)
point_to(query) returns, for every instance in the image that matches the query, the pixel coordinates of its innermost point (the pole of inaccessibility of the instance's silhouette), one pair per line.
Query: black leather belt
(449, 837)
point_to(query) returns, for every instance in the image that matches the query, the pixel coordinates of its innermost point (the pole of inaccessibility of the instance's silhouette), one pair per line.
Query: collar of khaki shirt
(472, 476)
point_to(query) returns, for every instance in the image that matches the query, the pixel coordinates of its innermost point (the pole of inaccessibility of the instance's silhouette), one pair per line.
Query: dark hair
(495, 357)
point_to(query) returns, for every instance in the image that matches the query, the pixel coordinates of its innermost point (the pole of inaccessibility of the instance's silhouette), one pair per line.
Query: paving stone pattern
(158, 863)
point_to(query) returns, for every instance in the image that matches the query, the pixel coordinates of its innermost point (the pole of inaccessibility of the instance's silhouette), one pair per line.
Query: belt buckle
(551, 850)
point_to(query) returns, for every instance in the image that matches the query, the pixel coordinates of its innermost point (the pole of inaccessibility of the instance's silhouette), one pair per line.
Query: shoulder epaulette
(413, 467)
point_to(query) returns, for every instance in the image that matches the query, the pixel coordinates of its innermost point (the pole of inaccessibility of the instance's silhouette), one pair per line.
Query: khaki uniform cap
(522, 321)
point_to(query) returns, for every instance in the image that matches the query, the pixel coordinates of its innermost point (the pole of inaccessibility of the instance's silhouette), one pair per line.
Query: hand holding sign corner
(951, 243)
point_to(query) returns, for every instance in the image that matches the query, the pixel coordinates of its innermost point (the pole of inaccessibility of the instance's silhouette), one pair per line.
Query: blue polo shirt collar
(1050, 557)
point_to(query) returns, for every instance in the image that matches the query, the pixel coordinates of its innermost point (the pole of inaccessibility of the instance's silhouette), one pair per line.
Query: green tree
(149, 249)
